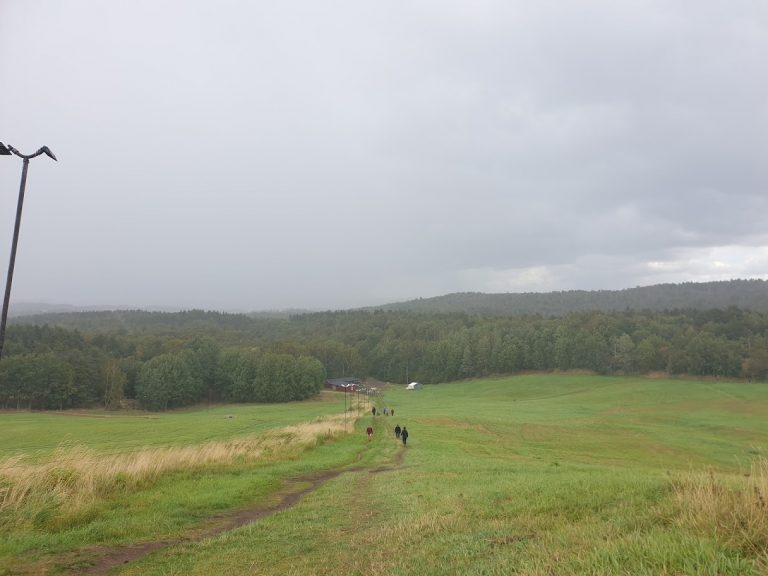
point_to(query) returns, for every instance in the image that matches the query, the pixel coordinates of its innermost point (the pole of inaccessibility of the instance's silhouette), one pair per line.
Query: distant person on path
(397, 431)
(370, 432)
(404, 435)
(385, 410)
(373, 410)
(392, 411)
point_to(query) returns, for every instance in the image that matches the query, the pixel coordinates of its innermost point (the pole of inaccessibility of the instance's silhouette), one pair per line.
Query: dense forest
(165, 360)
(746, 294)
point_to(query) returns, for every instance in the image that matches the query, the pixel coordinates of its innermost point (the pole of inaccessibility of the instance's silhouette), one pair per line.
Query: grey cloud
(255, 155)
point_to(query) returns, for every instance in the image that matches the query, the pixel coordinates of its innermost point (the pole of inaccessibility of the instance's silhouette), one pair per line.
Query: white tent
(413, 386)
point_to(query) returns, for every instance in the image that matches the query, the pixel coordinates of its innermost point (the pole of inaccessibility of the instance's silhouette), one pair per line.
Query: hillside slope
(746, 294)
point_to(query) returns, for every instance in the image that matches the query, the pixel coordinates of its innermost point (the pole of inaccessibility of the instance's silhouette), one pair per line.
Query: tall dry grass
(77, 477)
(734, 510)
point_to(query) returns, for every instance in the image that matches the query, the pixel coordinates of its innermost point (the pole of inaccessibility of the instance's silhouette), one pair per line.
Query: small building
(343, 384)
(413, 386)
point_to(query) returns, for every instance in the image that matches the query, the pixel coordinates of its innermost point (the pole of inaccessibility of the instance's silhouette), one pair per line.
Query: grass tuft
(734, 510)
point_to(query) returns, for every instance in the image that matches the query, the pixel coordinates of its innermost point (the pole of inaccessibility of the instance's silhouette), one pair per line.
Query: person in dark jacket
(404, 435)
(397, 431)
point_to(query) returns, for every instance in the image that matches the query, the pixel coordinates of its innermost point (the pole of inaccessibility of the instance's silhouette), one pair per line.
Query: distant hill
(17, 309)
(30, 308)
(93, 318)
(746, 294)
(142, 320)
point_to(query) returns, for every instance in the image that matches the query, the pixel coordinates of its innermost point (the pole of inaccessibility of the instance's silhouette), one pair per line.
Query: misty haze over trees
(166, 360)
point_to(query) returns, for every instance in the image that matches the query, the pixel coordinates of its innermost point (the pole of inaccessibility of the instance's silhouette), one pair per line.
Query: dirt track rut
(102, 560)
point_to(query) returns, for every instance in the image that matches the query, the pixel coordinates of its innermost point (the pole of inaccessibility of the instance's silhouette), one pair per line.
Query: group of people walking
(400, 433)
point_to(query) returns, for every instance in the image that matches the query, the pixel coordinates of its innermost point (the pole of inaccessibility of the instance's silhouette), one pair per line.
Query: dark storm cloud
(260, 155)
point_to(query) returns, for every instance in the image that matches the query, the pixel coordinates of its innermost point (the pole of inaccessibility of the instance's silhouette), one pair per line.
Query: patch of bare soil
(378, 385)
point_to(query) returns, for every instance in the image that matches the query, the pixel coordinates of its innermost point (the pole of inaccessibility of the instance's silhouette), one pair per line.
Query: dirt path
(108, 558)
(101, 559)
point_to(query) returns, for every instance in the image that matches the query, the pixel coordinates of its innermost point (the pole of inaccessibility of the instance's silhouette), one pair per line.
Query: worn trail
(108, 558)
(101, 560)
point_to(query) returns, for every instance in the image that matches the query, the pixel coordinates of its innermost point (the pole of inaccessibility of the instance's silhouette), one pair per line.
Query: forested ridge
(744, 294)
(747, 294)
(165, 360)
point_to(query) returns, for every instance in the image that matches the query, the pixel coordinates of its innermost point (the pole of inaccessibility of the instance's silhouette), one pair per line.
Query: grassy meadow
(536, 474)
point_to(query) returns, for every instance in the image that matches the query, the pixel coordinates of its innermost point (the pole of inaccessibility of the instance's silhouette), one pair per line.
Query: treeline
(54, 368)
(400, 346)
(197, 357)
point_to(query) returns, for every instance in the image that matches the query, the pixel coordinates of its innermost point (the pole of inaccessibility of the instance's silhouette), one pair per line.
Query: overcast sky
(260, 155)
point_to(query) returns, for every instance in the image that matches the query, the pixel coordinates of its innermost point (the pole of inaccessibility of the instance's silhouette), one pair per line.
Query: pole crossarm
(44, 150)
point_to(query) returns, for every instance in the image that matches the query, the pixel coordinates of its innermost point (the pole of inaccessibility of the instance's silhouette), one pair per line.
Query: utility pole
(6, 151)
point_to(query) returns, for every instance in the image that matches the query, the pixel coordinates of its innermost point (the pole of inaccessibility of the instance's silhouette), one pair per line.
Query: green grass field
(538, 474)
(37, 435)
